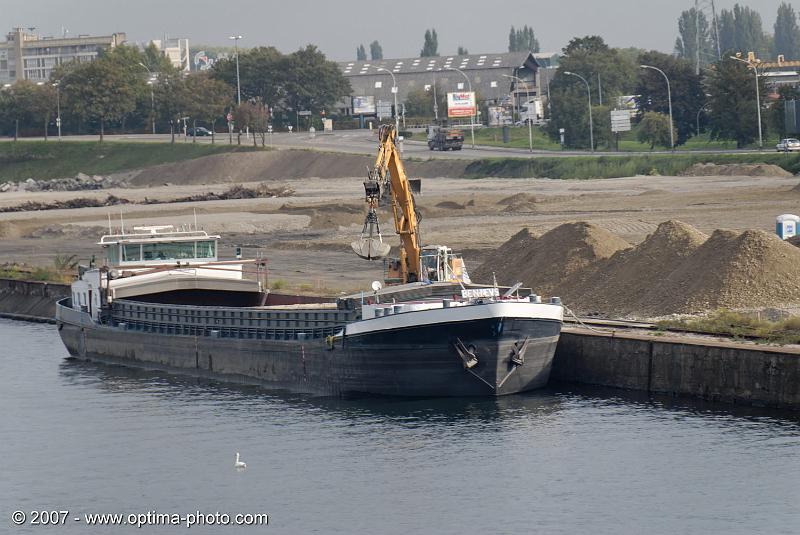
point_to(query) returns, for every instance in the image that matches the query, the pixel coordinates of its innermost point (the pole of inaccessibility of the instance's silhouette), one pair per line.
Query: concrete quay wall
(729, 372)
(30, 300)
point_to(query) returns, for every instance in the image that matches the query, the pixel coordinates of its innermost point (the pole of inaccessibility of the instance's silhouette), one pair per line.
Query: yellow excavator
(433, 263)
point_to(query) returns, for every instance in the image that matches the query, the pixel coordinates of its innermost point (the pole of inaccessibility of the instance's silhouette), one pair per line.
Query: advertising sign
(461, 104)
(364, 105)
(620, 121)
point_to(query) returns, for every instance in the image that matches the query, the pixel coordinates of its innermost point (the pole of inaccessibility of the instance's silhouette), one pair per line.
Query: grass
(41, 273)
(518, 138)
(738, 325)
(44, 160)
(582, 167)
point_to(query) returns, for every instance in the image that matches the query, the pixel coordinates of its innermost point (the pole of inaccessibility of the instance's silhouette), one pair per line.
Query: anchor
(468, 357)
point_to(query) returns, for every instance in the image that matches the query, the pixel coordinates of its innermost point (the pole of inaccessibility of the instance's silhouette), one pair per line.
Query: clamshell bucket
(370, 245)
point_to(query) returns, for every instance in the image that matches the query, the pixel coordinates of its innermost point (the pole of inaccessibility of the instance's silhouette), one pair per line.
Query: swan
(238, 463)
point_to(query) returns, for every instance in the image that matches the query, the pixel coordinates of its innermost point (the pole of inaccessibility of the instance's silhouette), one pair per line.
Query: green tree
(686, 43)
(732, 102)
(253, 116)
(522, 40)
(375, 51)
(687, 91)
(361, 53)
(105, 90)
(787, 33)
(776, 114)
(312, 82)
(587, 56)
(740, 30)
(654, 130)
(419, 103)
(174, 100)
(210, 99)
(462, 51)
(431, 46)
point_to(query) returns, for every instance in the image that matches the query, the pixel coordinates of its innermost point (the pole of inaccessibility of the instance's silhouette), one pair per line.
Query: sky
(337, 27)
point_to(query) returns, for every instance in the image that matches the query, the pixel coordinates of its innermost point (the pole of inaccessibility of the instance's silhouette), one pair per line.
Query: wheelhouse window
(112, 253)
(168, 251)
(206, 249)
(132, 252)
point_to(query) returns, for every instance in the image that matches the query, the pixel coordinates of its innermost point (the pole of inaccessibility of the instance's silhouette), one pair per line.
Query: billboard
(364, 105)
(461, 104)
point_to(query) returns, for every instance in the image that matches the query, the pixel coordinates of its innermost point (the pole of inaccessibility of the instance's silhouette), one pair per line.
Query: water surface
(101, 439)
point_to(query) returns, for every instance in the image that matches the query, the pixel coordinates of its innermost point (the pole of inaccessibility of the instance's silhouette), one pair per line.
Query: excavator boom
(388, 172)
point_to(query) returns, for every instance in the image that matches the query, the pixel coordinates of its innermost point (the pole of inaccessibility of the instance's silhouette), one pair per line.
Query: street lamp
(472, 119)
(58, 107)
(588, 92)
(530, 128)
(669, 99)
(7, 87)
(235, 39)
(394, 92)
(754, 65)
(151, 82)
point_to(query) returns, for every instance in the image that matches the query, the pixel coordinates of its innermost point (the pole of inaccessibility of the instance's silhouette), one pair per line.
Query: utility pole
(58, 108)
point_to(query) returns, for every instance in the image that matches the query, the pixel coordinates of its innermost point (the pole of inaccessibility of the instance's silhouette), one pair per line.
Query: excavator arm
(388, 172)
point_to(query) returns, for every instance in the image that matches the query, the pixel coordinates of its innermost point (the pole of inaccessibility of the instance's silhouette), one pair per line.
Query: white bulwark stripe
(418, 318)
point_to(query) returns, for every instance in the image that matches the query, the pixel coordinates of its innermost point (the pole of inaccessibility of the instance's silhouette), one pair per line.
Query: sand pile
(675, 270)
(735, 169)
(622, 284)
(751, 269)
(554, 263)
(520, 202)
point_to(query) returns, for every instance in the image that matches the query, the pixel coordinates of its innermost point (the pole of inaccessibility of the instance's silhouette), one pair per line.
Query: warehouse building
(492, 76)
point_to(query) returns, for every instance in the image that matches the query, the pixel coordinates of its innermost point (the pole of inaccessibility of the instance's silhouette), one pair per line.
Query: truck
(531, 111)
(444, 138)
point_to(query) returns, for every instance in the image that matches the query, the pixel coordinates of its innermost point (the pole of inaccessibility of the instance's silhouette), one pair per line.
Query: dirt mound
(517, 199)
(450, 205)
(731, 270)
(553, 263)
(735, 169)
(279, 165)
(621, 285)
(66, 231)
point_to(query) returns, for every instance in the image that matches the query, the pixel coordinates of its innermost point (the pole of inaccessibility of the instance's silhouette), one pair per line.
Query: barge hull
(417, 361)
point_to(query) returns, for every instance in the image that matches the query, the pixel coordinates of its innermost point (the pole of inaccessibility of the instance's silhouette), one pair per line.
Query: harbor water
(90, 439)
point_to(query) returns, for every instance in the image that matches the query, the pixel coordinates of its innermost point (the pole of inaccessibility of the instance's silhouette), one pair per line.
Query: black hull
(414, 361)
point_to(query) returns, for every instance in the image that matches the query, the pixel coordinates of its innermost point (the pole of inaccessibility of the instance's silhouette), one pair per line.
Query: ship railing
(67, 314)
(230, 332)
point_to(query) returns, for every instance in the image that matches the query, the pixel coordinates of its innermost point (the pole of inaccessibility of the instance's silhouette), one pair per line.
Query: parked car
(788, 144)
(199, 131)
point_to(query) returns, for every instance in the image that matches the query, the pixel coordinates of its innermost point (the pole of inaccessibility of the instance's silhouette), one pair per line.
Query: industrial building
(492, 76)
(27, 56)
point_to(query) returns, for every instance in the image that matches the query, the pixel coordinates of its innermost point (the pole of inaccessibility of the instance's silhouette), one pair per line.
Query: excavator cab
(439, 264)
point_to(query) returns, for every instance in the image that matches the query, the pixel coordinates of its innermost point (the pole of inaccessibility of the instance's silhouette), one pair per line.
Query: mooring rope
(595, 329)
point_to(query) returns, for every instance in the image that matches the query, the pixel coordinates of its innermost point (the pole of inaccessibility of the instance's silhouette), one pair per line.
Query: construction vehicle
(433, 263)
(445, 138)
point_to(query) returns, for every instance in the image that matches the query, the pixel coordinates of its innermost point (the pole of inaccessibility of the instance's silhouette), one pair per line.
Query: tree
(419, 103)
(210, 99)
(375, 51)
(732, 101)
(174, 100)
(254, 116)
(687, 91)
(361, 53)
(776, 115)
(689, 23)
(787, 34)
(104, 90)
(311, 81)
(587, 56)
(740, 30)
(523, 40)
(654, 129)
(431, 46)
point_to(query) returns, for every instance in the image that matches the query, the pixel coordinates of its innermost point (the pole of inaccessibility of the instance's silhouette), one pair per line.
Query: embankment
(30, 300)
(729, 372)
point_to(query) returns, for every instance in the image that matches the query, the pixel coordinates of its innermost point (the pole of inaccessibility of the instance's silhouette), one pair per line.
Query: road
(364, 142)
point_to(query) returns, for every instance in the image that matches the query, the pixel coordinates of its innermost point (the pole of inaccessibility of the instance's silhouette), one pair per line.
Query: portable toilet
(786, 225)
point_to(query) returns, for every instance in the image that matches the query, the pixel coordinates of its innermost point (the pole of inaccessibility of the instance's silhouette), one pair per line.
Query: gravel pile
(79, 182)
(553, 263)
(675, 270)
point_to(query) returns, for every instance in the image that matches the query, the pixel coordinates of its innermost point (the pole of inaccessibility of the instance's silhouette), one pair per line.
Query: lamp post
(151, 83)
(7, 87)
(394, 92)
(235, 39)
(588, 92)
(472, 119)
(754, 65)
(697, 118)
(669, 99)
(58, 107)
(530, 128)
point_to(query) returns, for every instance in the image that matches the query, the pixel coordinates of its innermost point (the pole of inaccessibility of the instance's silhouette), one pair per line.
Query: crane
(416, 263)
